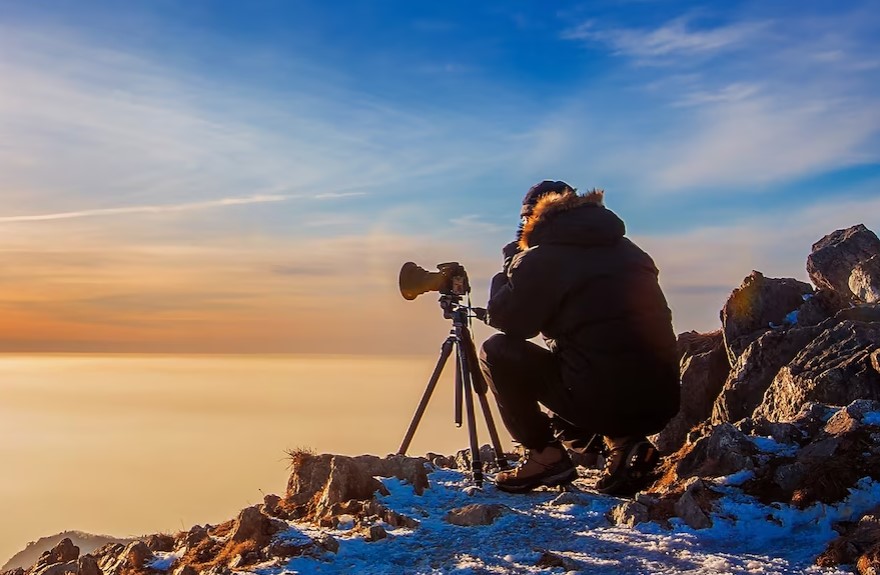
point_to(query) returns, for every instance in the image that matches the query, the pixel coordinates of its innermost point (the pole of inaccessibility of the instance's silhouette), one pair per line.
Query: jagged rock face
(755, 370)
(834, 257)
(702, 377)
(834, 368)
(755, 305)
(864, 281)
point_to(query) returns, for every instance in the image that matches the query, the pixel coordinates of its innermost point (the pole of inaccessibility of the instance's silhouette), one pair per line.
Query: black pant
(522, 375)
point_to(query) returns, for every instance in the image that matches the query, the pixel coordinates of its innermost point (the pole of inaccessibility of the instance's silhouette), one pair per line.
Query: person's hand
(508, 252)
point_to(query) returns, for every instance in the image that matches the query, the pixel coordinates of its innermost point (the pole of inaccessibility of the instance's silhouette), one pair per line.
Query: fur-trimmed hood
(571, 218)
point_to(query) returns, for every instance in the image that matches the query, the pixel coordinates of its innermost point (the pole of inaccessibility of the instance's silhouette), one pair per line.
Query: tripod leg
(445, 351)
(480, 387)
(467, 389)
(459, 388)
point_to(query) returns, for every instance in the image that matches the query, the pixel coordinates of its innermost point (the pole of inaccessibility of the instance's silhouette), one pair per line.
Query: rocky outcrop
(757, 305)
(834, 368)
(834, 257)
(318, 482)
(755, 370)
(86, 542)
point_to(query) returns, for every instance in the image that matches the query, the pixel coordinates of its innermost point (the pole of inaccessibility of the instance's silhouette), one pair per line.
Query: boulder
(88, 565)
(864, 281)
(824, 303)
(689, 506)
(723, 450)
(64, 552)
(254, 525)
(702, 377)
(834, 257)
(835, 368)
(755, 370)
(318, 482)
(134, 557)
(755, 306)
(475, 514)
(629, 514)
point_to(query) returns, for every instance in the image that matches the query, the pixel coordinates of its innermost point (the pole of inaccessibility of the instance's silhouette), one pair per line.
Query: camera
(450, 279)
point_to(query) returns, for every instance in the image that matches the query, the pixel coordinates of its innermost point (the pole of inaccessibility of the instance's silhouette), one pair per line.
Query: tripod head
(453, 309)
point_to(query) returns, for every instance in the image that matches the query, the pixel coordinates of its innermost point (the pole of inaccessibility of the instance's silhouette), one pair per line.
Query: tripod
(468, 380)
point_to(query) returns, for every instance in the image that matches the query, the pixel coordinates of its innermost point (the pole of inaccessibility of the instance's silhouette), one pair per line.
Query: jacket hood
(572, 219)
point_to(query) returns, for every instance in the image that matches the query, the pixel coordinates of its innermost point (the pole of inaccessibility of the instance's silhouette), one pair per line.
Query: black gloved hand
(508, 251)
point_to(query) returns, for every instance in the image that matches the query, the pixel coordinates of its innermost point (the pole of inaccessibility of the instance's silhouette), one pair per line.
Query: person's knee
(495, 347)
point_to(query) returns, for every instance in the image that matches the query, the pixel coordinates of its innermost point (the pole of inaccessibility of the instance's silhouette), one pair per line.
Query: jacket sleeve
(522, 300)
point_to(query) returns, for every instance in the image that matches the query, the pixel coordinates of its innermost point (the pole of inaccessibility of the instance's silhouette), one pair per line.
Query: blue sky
(296, 153)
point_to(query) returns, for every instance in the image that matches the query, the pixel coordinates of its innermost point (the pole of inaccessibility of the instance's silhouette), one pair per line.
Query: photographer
(610, 367)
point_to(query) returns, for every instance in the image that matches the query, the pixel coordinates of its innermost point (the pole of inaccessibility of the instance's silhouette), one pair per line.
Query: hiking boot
(629, 463)
(550, 466)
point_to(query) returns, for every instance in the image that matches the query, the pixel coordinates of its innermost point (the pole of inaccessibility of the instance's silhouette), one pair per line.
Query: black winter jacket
(595, 298)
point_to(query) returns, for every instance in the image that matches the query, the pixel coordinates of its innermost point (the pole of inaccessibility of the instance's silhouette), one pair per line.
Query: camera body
(455, 279)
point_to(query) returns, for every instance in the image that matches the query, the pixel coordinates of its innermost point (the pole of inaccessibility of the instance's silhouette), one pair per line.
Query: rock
(723, 451)
(475, 514)
(692, 343)
(755, 305)
(789, 476)
(195, 535)
(186, 570)
(702, 377)
(272, 506)
(487, 458)
(70, 567)
(328, 543)
(688, 505)
(87, 565)
(254, 525)
(375, 533)
(755, 369)
(834, 368)
(850, 417)
(812, 418)
(859, 544)
(160, 542)
(834, 257)
(441, 461)
(864, 281)
(64, 552)
(568, 498)
(550, 560)
(823, 304)
(320, 481)
(629, 514)
(134, 557)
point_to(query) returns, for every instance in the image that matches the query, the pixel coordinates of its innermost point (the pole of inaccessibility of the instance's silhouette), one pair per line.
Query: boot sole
(561, 478)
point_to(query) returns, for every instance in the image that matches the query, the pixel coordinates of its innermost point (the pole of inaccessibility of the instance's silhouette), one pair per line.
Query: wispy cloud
(156, 209)
(678, 37)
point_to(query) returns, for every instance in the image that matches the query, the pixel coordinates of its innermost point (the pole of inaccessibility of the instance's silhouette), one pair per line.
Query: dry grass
(296, 455)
